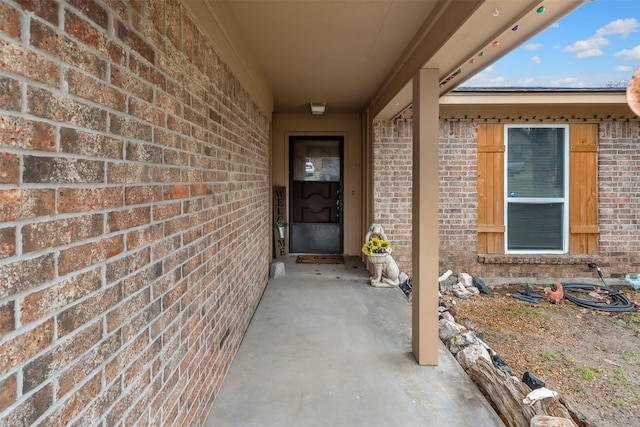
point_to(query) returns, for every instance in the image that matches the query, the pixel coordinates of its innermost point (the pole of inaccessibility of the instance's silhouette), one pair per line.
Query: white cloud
(535, 59)
(480, 80)
(594, 42)
(567, 82)
(623, 68)
(623, 27)
(529, 81)
(589, 53)
(593, 45)
(533, 46)
(629, 55)
(484, 79)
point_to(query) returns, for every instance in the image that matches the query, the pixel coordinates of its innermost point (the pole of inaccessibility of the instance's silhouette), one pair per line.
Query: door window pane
(316, 160)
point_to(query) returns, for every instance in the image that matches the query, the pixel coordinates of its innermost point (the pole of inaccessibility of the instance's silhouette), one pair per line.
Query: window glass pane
(534, 226)
(535, 162)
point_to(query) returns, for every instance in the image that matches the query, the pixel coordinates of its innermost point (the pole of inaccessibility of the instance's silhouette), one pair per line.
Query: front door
(316, 195)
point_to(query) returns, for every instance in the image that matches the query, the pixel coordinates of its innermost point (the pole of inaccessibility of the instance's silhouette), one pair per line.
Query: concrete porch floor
(326, 349)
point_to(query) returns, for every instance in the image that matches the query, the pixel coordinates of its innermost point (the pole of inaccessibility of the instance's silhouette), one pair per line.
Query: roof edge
(532, 96)
(519, 89)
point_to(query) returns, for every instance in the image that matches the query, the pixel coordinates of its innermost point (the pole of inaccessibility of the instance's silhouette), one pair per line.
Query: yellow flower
(376, 246)
(366, 249)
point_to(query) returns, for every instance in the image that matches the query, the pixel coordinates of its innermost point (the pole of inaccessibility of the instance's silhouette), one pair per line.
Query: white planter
(378, 258)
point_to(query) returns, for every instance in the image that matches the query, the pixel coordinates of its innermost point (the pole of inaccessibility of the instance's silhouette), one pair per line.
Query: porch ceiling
(351, 54)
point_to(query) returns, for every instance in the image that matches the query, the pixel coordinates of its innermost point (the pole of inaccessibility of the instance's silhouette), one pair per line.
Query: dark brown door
(316, 195)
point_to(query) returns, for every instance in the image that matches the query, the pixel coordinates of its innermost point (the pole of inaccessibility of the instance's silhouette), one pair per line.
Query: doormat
(319, 259)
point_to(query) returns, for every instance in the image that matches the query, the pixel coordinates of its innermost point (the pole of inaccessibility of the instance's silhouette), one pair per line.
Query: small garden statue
(378, 250)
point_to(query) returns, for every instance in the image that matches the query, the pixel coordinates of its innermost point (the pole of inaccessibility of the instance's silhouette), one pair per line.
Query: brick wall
(392, 186)
(134, 223)
(619, 196)
(618, 192)
(458, 216)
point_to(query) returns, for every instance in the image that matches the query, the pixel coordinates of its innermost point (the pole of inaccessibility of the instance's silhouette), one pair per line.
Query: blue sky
(597, 45)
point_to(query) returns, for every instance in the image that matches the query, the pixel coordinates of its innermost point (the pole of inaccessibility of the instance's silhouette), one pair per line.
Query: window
(537, 188)
(536, 214)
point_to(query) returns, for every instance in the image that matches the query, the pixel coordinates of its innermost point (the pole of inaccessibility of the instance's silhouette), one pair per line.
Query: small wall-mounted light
(317, 107)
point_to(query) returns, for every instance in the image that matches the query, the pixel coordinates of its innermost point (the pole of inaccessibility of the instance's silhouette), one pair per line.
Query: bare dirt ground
(592, 357)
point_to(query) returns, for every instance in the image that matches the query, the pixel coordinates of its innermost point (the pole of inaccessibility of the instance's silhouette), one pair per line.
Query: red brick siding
(134, 223)
(618, 194)
(392, 186)
(458, 200)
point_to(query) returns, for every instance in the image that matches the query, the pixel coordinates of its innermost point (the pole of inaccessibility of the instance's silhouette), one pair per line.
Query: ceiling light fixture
(317, 107)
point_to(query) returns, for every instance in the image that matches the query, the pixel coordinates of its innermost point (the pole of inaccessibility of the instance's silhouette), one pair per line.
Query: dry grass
(589, 356)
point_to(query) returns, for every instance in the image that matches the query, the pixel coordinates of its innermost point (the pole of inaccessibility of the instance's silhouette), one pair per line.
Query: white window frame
(537, 200)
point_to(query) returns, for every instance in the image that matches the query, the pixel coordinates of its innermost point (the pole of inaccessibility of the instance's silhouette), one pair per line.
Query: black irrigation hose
(619, 302)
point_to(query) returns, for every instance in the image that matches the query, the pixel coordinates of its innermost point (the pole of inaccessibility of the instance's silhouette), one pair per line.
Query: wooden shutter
(491, 188)
(583, 200)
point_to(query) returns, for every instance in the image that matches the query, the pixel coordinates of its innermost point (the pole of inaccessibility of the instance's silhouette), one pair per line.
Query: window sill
(535, 259)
